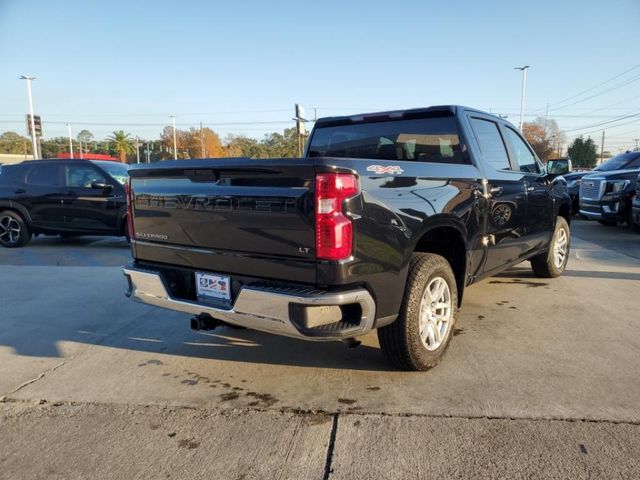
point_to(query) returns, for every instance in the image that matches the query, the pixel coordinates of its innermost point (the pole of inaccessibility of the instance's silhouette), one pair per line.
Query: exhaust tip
(351, 342)
(204, 322)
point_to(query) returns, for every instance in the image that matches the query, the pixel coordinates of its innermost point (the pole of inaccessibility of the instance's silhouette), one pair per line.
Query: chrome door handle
(531, 189)
(496, 191)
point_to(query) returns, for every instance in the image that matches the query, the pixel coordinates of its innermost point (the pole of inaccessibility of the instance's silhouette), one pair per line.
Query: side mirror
(102, 186)
(560, 166)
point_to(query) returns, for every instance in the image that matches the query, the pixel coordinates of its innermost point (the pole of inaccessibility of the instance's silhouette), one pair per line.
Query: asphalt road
(541, 381)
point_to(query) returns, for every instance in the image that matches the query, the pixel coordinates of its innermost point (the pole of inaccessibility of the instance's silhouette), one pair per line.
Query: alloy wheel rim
(435, 313)
(9, 230)
(560, 247)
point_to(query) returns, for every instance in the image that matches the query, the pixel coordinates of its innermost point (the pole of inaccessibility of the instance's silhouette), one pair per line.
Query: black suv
(606, 192)
(61, 197)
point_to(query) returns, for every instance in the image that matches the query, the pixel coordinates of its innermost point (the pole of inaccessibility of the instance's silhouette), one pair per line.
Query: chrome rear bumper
(265, 309)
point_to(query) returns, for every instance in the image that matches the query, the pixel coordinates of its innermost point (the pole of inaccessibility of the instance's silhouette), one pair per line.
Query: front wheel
(633, 226)
(421, 334)
(552, 263)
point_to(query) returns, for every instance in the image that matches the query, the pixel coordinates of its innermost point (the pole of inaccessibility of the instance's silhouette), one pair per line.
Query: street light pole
(524, 86)
(175, 143)
(29, 78)
(70, 141)
(137, 150)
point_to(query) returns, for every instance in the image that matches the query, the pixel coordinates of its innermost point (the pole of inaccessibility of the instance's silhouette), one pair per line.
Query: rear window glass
(119, 171)
(433, 140)
(9, 174)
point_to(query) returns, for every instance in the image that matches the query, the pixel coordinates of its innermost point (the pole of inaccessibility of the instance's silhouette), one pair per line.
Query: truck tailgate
(232, 214)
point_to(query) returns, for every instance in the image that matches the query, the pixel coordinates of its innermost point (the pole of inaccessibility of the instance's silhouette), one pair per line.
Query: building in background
(9, 158)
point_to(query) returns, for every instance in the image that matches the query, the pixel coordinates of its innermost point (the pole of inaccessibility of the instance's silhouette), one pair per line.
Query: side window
(82, 176)
(491, 144)
(634, 164)
(525, 158)
(43, 176)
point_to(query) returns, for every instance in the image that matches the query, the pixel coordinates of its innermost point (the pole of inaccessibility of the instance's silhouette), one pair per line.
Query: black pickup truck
(382, 225)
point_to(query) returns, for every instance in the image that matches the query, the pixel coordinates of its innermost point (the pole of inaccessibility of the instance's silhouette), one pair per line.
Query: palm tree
(122, 144)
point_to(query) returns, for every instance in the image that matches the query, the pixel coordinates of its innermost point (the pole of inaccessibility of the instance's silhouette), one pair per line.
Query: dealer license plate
(213, 287)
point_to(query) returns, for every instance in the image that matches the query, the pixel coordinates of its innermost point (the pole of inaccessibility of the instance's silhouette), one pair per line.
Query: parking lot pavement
(89, 251)
(525, 348)
(620, 239)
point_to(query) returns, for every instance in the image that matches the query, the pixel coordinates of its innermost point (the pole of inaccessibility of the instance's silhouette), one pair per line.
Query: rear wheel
(633, 226)
(419, 337)
(553, 262)
(14, 231)
(125, 231)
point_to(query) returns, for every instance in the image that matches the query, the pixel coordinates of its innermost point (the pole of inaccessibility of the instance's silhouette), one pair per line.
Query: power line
(600, 129)
(596, 86)
(163, 115)
(125, 124)
(627, 82)
(614, 104)
(624, 117)
(561, 115)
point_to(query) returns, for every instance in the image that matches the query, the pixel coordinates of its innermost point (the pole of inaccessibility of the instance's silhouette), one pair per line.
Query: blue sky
(124, 64)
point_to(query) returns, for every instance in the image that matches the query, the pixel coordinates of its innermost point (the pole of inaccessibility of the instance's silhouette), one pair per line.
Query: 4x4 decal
(380, 169)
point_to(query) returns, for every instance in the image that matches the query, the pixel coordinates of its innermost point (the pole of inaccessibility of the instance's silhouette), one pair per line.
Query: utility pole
(202, 140)
(546, 117)
(70, 141)
(175, 143)
(300, 129)
(602, 148)
(29, 79)
(137, 150)
(524, 87)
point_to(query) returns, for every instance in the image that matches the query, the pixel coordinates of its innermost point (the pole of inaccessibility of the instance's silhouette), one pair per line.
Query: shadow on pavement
(247, 346)
(93, 251)
(168, 333)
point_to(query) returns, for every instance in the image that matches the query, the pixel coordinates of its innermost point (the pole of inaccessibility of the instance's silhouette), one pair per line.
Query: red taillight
(334, 230)
(129, 194)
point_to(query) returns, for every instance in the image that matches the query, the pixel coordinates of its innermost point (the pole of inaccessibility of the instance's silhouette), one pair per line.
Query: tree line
(192, 143)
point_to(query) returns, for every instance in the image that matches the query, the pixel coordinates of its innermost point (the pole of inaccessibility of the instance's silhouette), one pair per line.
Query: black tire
(401, 341)
(633, 226)
(14, 231)
(608, 223)
(544, 265)
(125, 231)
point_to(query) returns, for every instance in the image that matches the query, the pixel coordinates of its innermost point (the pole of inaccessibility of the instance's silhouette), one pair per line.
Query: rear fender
(16, 207)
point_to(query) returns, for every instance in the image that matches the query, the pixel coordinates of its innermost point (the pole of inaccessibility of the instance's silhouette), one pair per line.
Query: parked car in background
(61, 197)
(573, 180)
(606, 193)
(635, 208)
